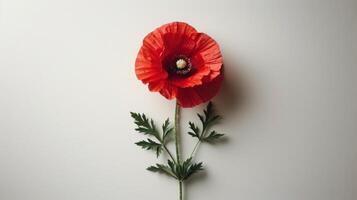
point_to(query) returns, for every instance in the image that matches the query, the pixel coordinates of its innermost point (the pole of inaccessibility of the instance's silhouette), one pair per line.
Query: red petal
(206, 60)
(189, 97)
(193, 80)
(148, 65)
(156, 86)
(147, 69)
(174, 39)
(179, 28)
(176, 35)
(207, 50)
(169, 91)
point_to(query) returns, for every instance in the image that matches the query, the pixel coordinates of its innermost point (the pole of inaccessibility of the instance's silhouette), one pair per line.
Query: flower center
(182, 65)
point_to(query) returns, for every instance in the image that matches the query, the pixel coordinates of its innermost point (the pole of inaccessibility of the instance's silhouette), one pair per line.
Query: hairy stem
(177, 143)
(180, 189)
(177, 134)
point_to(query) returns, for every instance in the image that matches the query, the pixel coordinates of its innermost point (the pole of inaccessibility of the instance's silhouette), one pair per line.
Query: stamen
(181, 64)
(178, 65)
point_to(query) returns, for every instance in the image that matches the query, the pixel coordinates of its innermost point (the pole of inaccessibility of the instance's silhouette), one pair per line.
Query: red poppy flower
(180, 63)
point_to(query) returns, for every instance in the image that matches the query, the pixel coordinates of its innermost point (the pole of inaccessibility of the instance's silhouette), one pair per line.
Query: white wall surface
(67, 84)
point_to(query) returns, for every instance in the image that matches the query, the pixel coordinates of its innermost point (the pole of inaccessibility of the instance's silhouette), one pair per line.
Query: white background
(67, 84)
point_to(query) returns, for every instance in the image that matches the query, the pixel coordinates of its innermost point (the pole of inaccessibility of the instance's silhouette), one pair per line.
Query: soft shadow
(234, 95)
(199, 177)
(232, 102)
(221, 141)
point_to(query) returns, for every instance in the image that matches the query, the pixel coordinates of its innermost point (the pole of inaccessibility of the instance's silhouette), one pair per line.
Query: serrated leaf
(145, 125)
(207, 120)
(172, 165)
(194, 168)
(208, 111)
(168, 133)
(178, 171)
(153, 169)
(209, 116)
(213, 136)
(202, 119)
(195, 130)
(193, 134)
(166, 130)
(150, 145)
(162, 169)
(213, 119)
(187, 168)
(165, 126)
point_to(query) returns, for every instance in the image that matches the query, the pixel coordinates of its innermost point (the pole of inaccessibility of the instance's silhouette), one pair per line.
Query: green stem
(180, 188)
(168, 152)
(195, 148)
(177, 143)
(177, 138)
(203, 134)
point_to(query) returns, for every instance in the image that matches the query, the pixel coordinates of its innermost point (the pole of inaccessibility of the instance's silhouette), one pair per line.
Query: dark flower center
(179, 65)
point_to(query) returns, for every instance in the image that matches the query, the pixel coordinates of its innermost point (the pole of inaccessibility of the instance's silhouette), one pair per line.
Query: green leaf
(166, 130)
(202, 119)
(178, 171)
(212, 137)
(173, 166)
(209, 116)
(150, 145)
(195, 130)
(209, 110)
(207, 119)
(145, 125)
(162, 169)
(186, 169)
(153, 168)
(194, 168)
